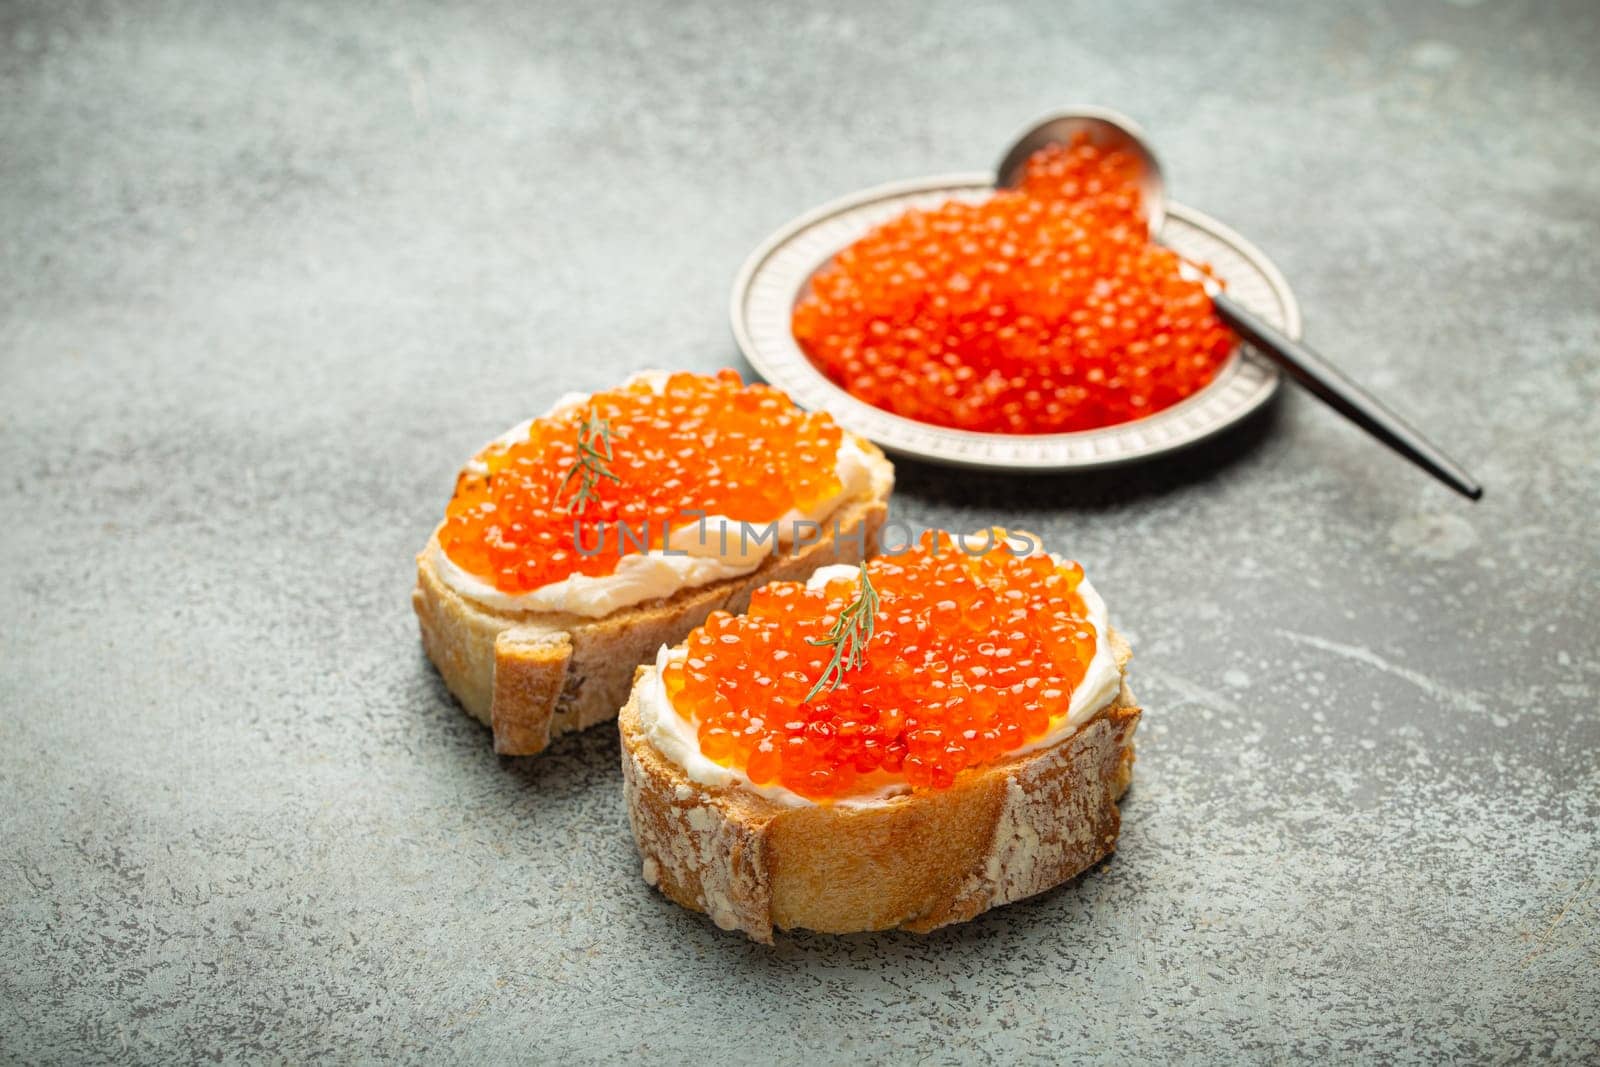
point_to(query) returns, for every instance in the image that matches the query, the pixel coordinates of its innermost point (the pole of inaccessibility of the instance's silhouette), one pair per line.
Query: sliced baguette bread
(531, 676)
(1000, 833)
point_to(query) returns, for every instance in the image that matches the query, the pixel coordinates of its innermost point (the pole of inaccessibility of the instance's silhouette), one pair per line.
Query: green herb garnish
(594, 452)
(849, 636)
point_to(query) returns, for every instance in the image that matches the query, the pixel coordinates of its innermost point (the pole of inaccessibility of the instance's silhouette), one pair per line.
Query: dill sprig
(594, 452)
(849, 636)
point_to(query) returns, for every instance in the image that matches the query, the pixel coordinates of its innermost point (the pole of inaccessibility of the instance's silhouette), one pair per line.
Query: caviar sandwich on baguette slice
(580, 542)
(904, 743)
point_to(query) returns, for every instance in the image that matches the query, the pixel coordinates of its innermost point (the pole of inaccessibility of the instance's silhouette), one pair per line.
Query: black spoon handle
(1344, 396)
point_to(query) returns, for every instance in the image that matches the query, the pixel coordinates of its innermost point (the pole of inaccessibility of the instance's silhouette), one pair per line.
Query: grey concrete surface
(270, 271)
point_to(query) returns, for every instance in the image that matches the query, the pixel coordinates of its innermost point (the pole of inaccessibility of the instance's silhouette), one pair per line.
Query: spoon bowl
(1104, 128)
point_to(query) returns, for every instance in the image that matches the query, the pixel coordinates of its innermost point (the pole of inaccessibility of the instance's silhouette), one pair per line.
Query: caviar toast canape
(581, 541)
(904, 743)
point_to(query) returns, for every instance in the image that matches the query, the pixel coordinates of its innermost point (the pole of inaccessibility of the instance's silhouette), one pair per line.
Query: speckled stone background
(270, 271)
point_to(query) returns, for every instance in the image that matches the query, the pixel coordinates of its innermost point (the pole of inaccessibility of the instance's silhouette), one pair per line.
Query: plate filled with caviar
(1034, 327)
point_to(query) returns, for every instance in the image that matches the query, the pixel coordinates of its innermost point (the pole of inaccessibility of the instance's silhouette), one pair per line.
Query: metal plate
(773, 279)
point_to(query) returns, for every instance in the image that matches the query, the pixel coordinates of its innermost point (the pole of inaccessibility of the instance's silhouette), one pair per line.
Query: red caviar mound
(705, 444)
(1044, 310)
(971, 656)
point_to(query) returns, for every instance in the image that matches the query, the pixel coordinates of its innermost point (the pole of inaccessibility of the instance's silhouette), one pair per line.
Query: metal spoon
(1107, 129)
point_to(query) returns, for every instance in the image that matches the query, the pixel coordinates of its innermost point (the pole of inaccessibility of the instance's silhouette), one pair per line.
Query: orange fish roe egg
(1041, 310)
(971, 656)
(706, 445)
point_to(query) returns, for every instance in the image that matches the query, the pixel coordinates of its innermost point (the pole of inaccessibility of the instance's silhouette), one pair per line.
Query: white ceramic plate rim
(1244, 383)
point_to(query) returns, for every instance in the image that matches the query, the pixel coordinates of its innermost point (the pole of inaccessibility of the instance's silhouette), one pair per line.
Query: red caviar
(705, 444)
(1043, 310)
(971, 656)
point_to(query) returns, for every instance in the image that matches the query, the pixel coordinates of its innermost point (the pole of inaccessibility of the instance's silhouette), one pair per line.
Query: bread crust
(1002, 832)
(531, 676)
